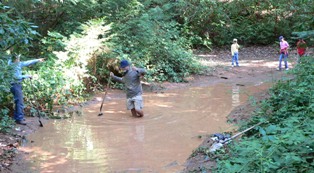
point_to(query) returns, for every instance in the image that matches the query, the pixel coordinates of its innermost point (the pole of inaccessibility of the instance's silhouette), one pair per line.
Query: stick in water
(102, 103)
(36, 104)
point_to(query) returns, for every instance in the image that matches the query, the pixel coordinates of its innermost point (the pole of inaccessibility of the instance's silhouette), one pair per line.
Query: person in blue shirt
(16, 86)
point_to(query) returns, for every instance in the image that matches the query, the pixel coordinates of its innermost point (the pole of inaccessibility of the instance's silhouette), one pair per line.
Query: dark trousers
(16, 90)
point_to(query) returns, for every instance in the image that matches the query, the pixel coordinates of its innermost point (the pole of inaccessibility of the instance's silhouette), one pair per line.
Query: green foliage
(64, 77)
(286, 143)
(54, 41)
(60, 79)
(15, 38)
(151, 39)
(305, 35)
(251, 21)
(5, 76)
(15, 33)
(6, 122)
(5, 98)
(60, 16)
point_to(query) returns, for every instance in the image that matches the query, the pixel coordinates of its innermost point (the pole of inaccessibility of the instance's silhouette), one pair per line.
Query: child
(235, 52)
(283, 52)
(301, 48)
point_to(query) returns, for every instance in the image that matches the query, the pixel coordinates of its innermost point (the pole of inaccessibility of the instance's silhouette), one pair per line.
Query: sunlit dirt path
(161, 141)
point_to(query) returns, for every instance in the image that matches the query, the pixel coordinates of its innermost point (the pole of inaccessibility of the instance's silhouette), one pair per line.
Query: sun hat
(124, 63)
(235, 40)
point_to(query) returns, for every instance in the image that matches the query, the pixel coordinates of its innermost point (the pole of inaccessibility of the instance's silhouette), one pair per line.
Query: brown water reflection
(117, 142)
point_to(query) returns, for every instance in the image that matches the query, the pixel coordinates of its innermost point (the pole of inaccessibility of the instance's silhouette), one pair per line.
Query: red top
(301, 47)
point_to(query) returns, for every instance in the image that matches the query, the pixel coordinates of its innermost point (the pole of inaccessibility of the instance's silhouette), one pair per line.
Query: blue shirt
(18, 68)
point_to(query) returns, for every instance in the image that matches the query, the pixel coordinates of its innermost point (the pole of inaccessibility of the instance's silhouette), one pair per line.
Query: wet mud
(161, 141)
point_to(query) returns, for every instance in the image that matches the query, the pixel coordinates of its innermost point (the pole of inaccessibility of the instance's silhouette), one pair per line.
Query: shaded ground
(10, 142)
(255, 64)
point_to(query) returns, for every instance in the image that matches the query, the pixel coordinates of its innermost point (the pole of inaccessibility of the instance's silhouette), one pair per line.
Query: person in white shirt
(235, 53)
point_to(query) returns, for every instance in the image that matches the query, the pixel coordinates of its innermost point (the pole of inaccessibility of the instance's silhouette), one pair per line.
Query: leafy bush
(251, 21)
(152, 40)
(306, 35)
(63, 78)
(60, 79)
(5, 97)
(6, 122)
(60, 16)
(16, 35)
(286, 142)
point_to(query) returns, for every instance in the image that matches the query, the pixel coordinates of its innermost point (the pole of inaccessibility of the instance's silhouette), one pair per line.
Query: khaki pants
(135, 102)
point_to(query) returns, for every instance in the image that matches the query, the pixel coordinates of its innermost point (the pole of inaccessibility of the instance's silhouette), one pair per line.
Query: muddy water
(161, 141)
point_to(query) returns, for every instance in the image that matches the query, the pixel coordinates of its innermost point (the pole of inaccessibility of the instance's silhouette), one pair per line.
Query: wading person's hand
(41, 59)
(111, 74)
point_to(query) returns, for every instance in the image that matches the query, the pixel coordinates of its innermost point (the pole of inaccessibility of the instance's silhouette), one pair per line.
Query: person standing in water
(132, 81)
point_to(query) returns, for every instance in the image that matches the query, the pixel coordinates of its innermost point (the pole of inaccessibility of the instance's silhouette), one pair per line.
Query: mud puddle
(118, 142)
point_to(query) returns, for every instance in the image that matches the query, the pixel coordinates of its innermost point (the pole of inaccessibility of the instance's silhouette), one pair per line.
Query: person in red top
(301, 48)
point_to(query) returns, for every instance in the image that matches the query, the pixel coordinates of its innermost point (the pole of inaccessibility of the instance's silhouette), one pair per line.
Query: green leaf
(262, 131)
